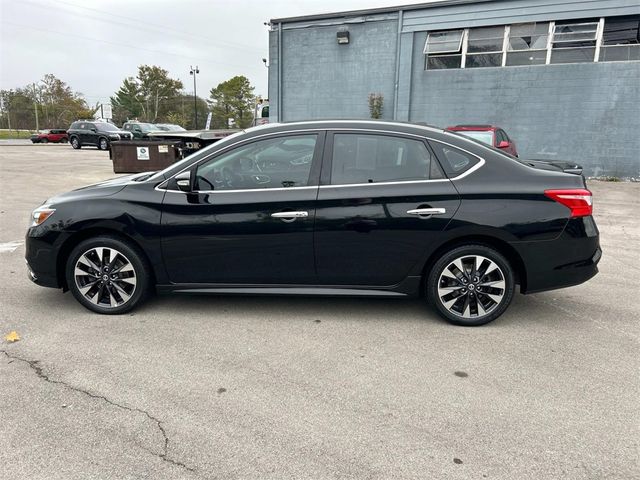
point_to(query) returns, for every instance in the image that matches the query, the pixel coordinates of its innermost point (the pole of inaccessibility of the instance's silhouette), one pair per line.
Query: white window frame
(552, 28)
(595, 34)
(505, 44)
(466, 52)
(452, 52)
(551, 41)
(546, 49)
(465, 44)
(599, 37)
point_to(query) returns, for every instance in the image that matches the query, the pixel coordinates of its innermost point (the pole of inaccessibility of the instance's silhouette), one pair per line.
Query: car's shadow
(537, 309)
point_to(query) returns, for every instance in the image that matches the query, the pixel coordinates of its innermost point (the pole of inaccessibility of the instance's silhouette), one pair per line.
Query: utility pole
(35, 106)
(194, 72)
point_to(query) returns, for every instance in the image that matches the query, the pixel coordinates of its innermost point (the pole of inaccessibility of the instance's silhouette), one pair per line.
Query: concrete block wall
(588, 113)
(322, 79)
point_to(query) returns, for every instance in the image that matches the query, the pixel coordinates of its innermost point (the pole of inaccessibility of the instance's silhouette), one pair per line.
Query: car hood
(96, 190)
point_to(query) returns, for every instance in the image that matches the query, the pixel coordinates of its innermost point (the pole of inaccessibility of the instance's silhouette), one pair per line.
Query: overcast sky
(94, 45)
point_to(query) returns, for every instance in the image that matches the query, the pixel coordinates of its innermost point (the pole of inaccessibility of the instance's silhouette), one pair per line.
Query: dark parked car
(489, 134)
(169, 127)
(327, 208)
(99, 134)
(140, 130)
(53, 136)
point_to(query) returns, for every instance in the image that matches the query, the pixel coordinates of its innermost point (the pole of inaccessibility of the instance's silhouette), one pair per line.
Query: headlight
(114, 136)
(40, 215)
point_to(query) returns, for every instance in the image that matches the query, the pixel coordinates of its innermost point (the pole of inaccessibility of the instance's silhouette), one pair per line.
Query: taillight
(579, 200)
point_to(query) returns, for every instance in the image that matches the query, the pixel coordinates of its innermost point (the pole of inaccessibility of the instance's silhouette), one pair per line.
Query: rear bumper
(570, 259)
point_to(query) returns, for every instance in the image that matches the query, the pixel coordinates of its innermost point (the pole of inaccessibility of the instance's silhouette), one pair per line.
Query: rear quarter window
(453, 160)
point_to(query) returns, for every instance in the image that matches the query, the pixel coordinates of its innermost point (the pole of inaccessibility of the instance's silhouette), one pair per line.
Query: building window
(485, 46)
(444, 49)
(537, 43)
(528, 44)
(574, 42)
(620, 39)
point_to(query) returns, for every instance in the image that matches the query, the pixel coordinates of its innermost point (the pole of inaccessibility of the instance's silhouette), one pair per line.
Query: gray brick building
(561, 77)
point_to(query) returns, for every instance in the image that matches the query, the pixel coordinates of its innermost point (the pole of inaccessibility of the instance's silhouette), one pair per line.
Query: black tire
(63, 140)
(103, 144)
(75, 143)
(45, 140)
(461, 296)
(103, 292)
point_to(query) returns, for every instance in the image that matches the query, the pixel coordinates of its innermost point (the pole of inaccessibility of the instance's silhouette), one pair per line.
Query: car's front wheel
(471, 285)
(103, 144)
(75, 143)
(108, 275)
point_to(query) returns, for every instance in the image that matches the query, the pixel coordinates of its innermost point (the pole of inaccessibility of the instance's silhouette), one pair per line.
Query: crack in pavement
(35, 366)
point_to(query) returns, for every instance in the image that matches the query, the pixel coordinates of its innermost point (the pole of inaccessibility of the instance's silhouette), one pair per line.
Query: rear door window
(367, 158)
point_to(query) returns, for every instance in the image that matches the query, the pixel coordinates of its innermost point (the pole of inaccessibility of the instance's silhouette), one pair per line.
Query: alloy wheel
(103, 144)
(105, 277)
(471, 286)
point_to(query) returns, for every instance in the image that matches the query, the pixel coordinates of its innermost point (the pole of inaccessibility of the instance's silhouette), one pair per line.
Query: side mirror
(94, 130)
(503, 144)
(183, 181)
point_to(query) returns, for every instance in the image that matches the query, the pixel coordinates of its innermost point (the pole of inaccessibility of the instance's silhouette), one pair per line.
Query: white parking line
(9, 246)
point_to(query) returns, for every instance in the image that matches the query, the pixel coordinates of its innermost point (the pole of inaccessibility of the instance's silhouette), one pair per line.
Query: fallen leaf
(12, 337)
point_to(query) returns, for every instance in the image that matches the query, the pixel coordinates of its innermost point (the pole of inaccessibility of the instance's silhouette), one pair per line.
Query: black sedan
(324, 208)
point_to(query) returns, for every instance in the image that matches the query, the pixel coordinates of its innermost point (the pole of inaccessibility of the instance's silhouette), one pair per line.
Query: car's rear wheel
(63, 140)
(75, 143)
(108, 275)
(471, 285)
(45, 140)
(103, 144)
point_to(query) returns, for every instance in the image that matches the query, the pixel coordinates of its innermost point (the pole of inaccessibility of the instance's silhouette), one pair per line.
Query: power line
(137, 25)
(129, 46)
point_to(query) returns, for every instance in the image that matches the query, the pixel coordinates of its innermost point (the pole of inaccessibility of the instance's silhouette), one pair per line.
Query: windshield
(107, 127)
(147, 127)
(176, 167)
(482, 136)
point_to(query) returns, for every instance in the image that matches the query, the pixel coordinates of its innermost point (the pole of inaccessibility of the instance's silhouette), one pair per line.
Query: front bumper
(570, 259)
(41, 255)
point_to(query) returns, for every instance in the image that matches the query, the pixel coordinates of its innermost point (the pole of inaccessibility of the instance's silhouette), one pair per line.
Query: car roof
(407, 127)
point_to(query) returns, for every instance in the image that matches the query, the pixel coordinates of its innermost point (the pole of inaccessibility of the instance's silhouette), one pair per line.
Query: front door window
(281, 162)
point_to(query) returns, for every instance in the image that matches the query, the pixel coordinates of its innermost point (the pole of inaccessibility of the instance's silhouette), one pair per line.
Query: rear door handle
(427, 211)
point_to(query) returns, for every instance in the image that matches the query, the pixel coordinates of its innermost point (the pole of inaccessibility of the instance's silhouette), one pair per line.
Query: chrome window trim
(399, 182)
(327, 129)
(246, 190)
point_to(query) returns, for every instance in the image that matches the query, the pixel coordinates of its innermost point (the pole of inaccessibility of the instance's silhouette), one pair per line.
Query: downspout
(280, 112)
(397, 81)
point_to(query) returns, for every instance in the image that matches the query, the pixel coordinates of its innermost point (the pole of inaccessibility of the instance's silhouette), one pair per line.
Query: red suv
(46, 136)
(489, 134)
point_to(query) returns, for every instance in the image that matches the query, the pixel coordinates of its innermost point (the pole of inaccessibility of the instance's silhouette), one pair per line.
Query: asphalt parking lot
(292, 388)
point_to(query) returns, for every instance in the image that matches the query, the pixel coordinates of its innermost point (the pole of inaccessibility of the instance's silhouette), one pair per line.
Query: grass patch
(14, 134)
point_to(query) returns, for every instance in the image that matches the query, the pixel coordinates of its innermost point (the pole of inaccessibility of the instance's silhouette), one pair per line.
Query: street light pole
(194, 72)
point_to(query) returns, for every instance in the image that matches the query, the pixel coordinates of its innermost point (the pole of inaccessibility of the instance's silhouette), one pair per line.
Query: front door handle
(290, 216)
(422, 212)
